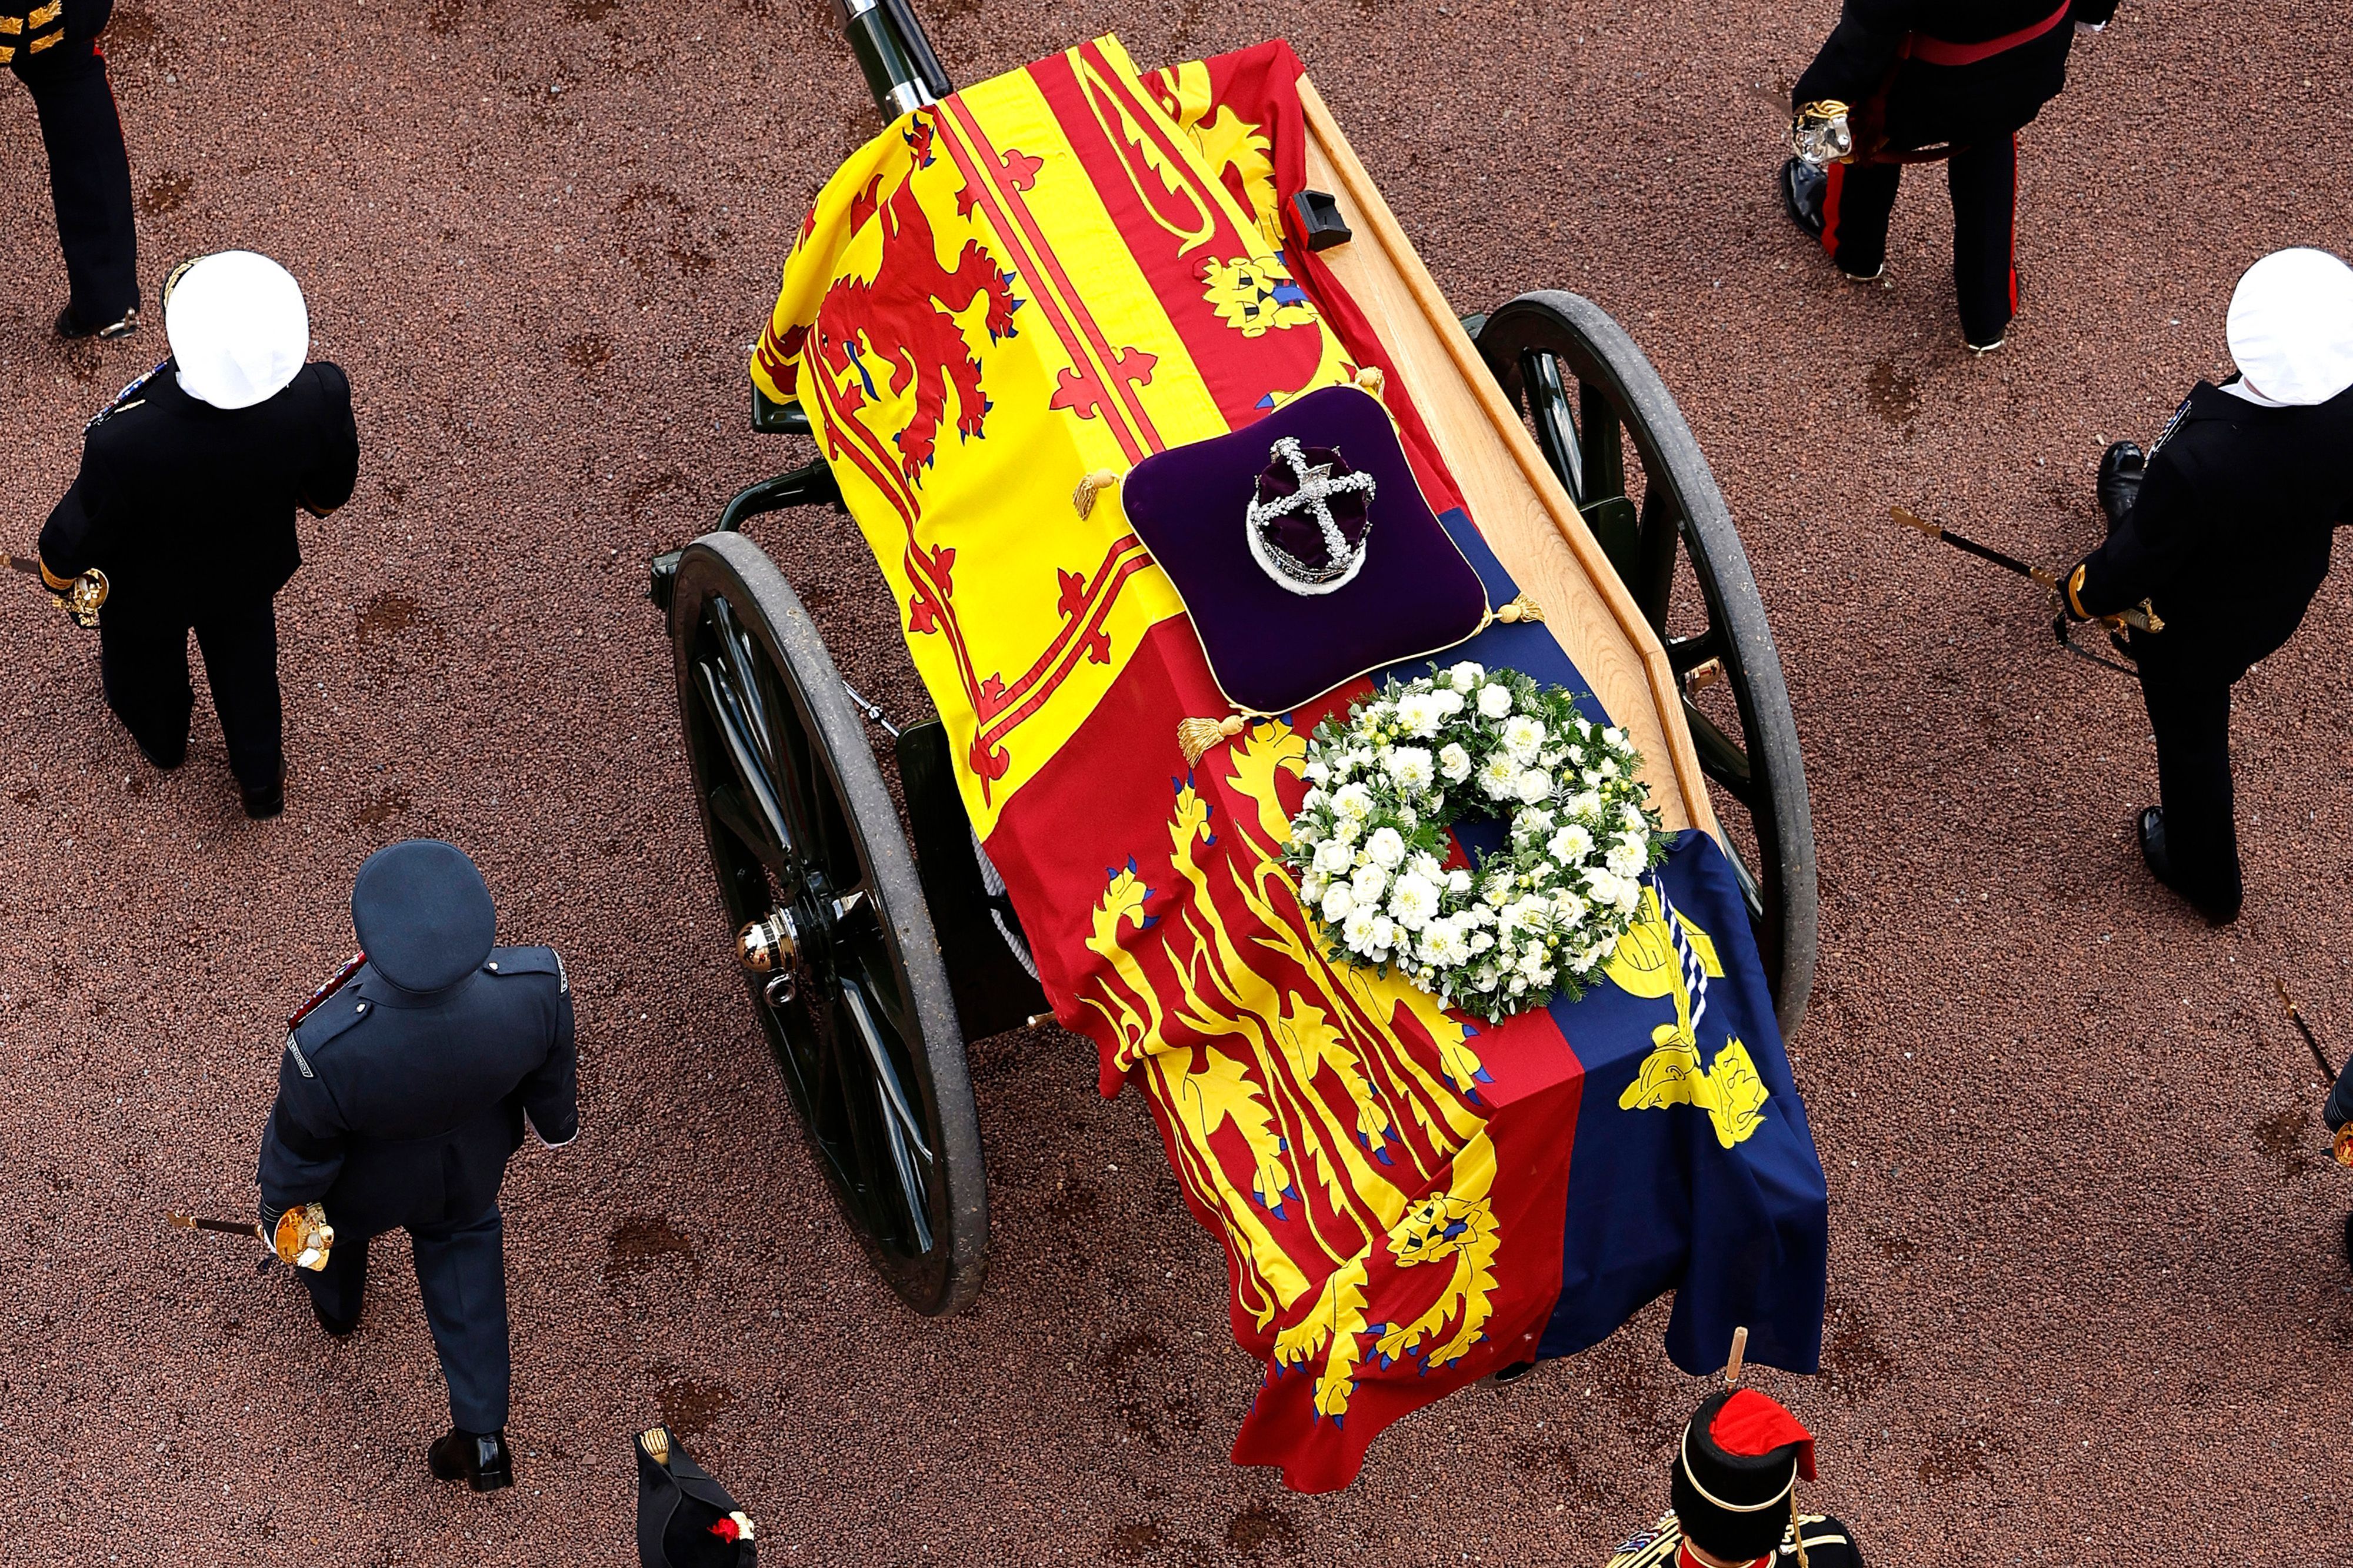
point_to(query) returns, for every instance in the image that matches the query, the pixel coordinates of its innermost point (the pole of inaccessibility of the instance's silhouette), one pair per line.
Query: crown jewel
(1309, 518)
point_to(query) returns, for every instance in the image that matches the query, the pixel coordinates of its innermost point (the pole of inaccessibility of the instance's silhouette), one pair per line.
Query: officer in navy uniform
(400, 1098)
(2226, 528)
(53, 48)
(1733, 1481)
(185, 501)
(1934, 78)
(2336, 1115)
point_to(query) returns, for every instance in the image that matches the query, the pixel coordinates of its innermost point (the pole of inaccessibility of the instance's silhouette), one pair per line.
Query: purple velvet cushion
(1270, 648)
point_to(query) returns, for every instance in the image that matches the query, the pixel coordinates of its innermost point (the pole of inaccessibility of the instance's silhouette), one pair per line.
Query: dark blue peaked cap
(423, 914)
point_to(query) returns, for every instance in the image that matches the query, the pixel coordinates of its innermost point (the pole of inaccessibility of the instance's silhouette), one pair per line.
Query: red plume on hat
(1752, 1424)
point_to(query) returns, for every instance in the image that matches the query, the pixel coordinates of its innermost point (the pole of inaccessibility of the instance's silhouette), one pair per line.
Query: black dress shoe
(71, 329)
(1803, 188)
(265, 803)
(163, 764)
(480, 1460)
(336, 1326)
(2122, 467)
(2219, 911)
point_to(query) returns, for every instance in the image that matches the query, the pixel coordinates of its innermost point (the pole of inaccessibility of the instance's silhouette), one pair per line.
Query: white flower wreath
(1532, 920)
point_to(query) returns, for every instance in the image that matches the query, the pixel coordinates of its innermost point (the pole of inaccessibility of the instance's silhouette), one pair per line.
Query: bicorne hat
(1734, 1473)
(1304, 550)
(423, 914)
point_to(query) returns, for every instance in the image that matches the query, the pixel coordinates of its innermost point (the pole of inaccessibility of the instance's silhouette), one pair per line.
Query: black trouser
(461, 1276)
(144, 665)
(90, 173)
(1861, 198)
(2190, 713)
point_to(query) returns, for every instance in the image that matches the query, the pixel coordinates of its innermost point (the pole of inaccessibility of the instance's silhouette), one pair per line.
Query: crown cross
(1317, 487)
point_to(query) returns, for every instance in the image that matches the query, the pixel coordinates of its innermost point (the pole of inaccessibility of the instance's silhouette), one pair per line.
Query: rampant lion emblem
(906, 318)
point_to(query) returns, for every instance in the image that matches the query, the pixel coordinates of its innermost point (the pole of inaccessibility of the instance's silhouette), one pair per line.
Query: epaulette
(510, 961)
(335, 1016)
(126, 398)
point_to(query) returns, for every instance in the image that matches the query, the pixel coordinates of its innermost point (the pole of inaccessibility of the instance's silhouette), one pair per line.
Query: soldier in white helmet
(185, 503)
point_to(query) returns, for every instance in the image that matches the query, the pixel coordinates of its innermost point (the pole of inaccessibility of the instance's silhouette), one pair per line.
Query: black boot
(70, 329)
(2160, 866)
(480, 1460)
(2122, 467)
(337, 1328)
(1802, 187)
(261, 803)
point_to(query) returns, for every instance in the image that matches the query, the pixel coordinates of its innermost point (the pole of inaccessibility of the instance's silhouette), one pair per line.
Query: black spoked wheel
(1609, 430)
(833, 933)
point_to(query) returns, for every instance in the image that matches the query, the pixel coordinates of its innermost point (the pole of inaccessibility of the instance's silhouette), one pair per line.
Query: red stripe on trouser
(2013, 223)
(1836, 172)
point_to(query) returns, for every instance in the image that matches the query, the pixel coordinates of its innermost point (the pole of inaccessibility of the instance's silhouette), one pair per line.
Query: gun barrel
(901, 69)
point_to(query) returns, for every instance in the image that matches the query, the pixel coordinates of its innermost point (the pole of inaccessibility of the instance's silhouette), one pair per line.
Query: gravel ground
(2086, 1286)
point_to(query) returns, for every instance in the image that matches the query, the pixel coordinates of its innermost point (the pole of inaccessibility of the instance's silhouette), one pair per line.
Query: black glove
(2122, 467)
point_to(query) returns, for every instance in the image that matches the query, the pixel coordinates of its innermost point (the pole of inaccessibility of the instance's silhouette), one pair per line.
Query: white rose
(1311, 890)
(1385, 933)
(1609, 768)
(1481, 942)
(1455, 763)
(1313, 799)
(1352, 801)
(1535, 963)
(1426, 866)
(1631, 815)
(1447, 702)
(1494, 701)
(1332, 858)
(1367, 883)
(1602, 886)
(1569, 846)
(1523, 737)
(1630, 893)
(1337, 904)
(1567, 908)
(1411, 767)
(1412, 901)
(1466, 675)
(1458, 880)
(1384, 847)
(1317, 772)
(1533, 785)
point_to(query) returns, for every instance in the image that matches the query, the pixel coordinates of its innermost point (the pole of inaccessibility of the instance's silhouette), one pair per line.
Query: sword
(249, 1229)
(2342, 1146)
(81, 601)
(2141, 617)
(303, 1237)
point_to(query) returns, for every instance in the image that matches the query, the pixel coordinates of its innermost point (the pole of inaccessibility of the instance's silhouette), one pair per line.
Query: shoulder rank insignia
(301, 1062)
(127, 398)
(335, 984)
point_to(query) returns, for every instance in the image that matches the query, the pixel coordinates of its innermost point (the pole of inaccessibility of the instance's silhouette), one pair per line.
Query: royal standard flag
(1047, 278)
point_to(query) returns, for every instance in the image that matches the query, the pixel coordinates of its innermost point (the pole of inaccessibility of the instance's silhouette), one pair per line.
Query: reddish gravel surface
(2086, 1295)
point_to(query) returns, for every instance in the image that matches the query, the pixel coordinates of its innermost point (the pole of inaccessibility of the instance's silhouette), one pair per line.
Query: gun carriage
(874, 944)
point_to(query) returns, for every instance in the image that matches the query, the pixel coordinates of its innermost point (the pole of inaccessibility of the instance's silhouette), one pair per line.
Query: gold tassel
(1196, 736)
(1369, 377)
(657, 1442)
(1094, 485)
(1520, 609)
(1797, 1532)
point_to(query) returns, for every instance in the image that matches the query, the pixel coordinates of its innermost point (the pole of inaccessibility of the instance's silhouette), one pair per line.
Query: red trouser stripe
(1836, 172)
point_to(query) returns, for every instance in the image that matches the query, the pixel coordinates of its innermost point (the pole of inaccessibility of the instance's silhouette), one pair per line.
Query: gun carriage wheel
(1594, 400)
(835, 937)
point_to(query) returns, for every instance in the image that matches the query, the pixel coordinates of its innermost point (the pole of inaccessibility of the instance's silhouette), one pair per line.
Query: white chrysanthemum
(1420, 714)
(1497, 889)
(1347, 830)
(1315, 800)
(1412, 767)
(1625, 860)
(1466, 675)
(1412, 901)
(1443, 944)
(1533, 785)
(1535, 963)
(1523, 737)
(1356, 931)
(1631, 815)
(1567, 908)
(1529, 914)
(1499, 779)
(1630, 893)
(1332, 858)
(1311, 890)
(1455, 763)
(1584, 806)
(1338, 903)
(1494, 700)
(1569, 846)
(1367, 883)
(1352, 801)
(1360, 759)
(1386, 847)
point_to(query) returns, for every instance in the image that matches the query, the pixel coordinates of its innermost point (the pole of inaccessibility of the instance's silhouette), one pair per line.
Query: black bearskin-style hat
(685, 1519)
(1734, 1471)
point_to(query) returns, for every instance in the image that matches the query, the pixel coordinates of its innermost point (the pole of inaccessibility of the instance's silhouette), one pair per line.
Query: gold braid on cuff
(56, 585)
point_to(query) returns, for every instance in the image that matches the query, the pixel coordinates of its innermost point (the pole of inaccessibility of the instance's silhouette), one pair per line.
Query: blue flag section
(1694, 1170)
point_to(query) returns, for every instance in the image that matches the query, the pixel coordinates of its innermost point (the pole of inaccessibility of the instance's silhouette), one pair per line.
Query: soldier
(186, 501)
(1912, 80)
(1734, 1484)
(53, 48)
(401, 1096)
(2336, 1115)
(2225, 526)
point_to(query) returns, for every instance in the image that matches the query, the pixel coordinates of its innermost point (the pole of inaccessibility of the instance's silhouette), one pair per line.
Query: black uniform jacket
(184, 505)
(400, 1110)
(1927, 104)
(1828, 1544)
(2231, 535)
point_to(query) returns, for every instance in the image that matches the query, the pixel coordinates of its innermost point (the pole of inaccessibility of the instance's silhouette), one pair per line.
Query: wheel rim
(841, 1017)
(1611, 434)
